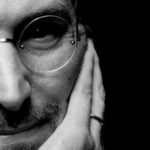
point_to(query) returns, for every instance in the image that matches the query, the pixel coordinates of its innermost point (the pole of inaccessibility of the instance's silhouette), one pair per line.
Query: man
(51, 92)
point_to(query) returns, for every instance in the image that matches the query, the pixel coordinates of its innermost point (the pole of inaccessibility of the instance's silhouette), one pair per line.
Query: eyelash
(20, 27)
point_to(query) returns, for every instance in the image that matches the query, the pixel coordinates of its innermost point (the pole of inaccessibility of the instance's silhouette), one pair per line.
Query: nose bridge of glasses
(4, 40)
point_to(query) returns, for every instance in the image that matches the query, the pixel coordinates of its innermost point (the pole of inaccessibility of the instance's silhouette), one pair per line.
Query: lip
(21, 129)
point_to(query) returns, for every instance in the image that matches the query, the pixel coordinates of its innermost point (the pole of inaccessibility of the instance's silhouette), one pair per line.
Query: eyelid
(36, 19)
(60, 12)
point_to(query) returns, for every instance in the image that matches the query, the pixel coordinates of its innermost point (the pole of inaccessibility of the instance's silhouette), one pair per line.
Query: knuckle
(87, 92)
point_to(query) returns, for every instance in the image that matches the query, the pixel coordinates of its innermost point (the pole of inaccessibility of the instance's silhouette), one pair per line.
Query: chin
(28, 140)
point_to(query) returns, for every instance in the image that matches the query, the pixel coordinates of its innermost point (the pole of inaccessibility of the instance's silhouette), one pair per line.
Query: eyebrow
(60, 11)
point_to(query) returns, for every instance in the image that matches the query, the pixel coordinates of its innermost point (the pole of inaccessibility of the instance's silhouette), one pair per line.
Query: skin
(78, 131)
(26, 97)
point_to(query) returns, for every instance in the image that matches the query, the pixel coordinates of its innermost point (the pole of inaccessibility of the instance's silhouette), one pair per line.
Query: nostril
(12, 118)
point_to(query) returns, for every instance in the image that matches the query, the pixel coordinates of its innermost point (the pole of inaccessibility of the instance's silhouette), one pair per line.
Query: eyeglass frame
(20, 45)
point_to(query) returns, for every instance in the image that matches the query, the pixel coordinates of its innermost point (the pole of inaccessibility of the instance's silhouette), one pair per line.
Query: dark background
(114, 33)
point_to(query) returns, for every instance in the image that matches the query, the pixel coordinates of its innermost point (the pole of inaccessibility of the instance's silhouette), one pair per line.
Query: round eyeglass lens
(47, 43)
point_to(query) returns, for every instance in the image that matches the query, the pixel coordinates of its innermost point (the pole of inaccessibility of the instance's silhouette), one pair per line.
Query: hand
(78, 131)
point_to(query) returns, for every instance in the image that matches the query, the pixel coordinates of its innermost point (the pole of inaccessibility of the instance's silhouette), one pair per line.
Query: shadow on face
(38, 69)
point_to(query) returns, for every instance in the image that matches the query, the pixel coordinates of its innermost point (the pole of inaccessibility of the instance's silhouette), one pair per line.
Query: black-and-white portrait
(57, 74)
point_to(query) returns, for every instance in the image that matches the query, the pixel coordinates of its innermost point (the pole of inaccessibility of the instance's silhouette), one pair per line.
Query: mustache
(28, 113)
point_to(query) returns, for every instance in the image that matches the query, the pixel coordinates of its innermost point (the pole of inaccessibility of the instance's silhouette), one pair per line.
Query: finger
(97, 103)
(80, 101)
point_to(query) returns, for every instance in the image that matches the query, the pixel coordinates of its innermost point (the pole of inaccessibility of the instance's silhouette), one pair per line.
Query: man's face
(33, 98)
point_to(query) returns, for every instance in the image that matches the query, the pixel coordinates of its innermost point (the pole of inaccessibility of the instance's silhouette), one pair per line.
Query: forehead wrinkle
(14, 10)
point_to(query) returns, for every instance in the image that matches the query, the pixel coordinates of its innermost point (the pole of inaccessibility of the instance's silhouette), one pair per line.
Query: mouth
(29, 136)
(23, 128)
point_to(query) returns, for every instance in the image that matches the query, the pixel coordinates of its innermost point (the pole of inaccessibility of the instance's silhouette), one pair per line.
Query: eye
(46, 30)
(47, 43)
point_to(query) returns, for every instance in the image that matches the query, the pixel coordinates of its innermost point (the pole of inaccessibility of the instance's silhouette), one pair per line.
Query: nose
(14, 86)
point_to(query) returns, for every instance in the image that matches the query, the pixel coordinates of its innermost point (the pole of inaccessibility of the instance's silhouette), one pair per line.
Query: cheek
(56, 87)
(54, 90)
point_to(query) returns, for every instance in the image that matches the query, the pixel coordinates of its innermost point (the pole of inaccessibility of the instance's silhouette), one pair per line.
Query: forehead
(20, 5)
(15, 9)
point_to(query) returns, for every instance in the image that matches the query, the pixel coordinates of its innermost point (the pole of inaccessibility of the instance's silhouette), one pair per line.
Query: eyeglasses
(46, 44)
